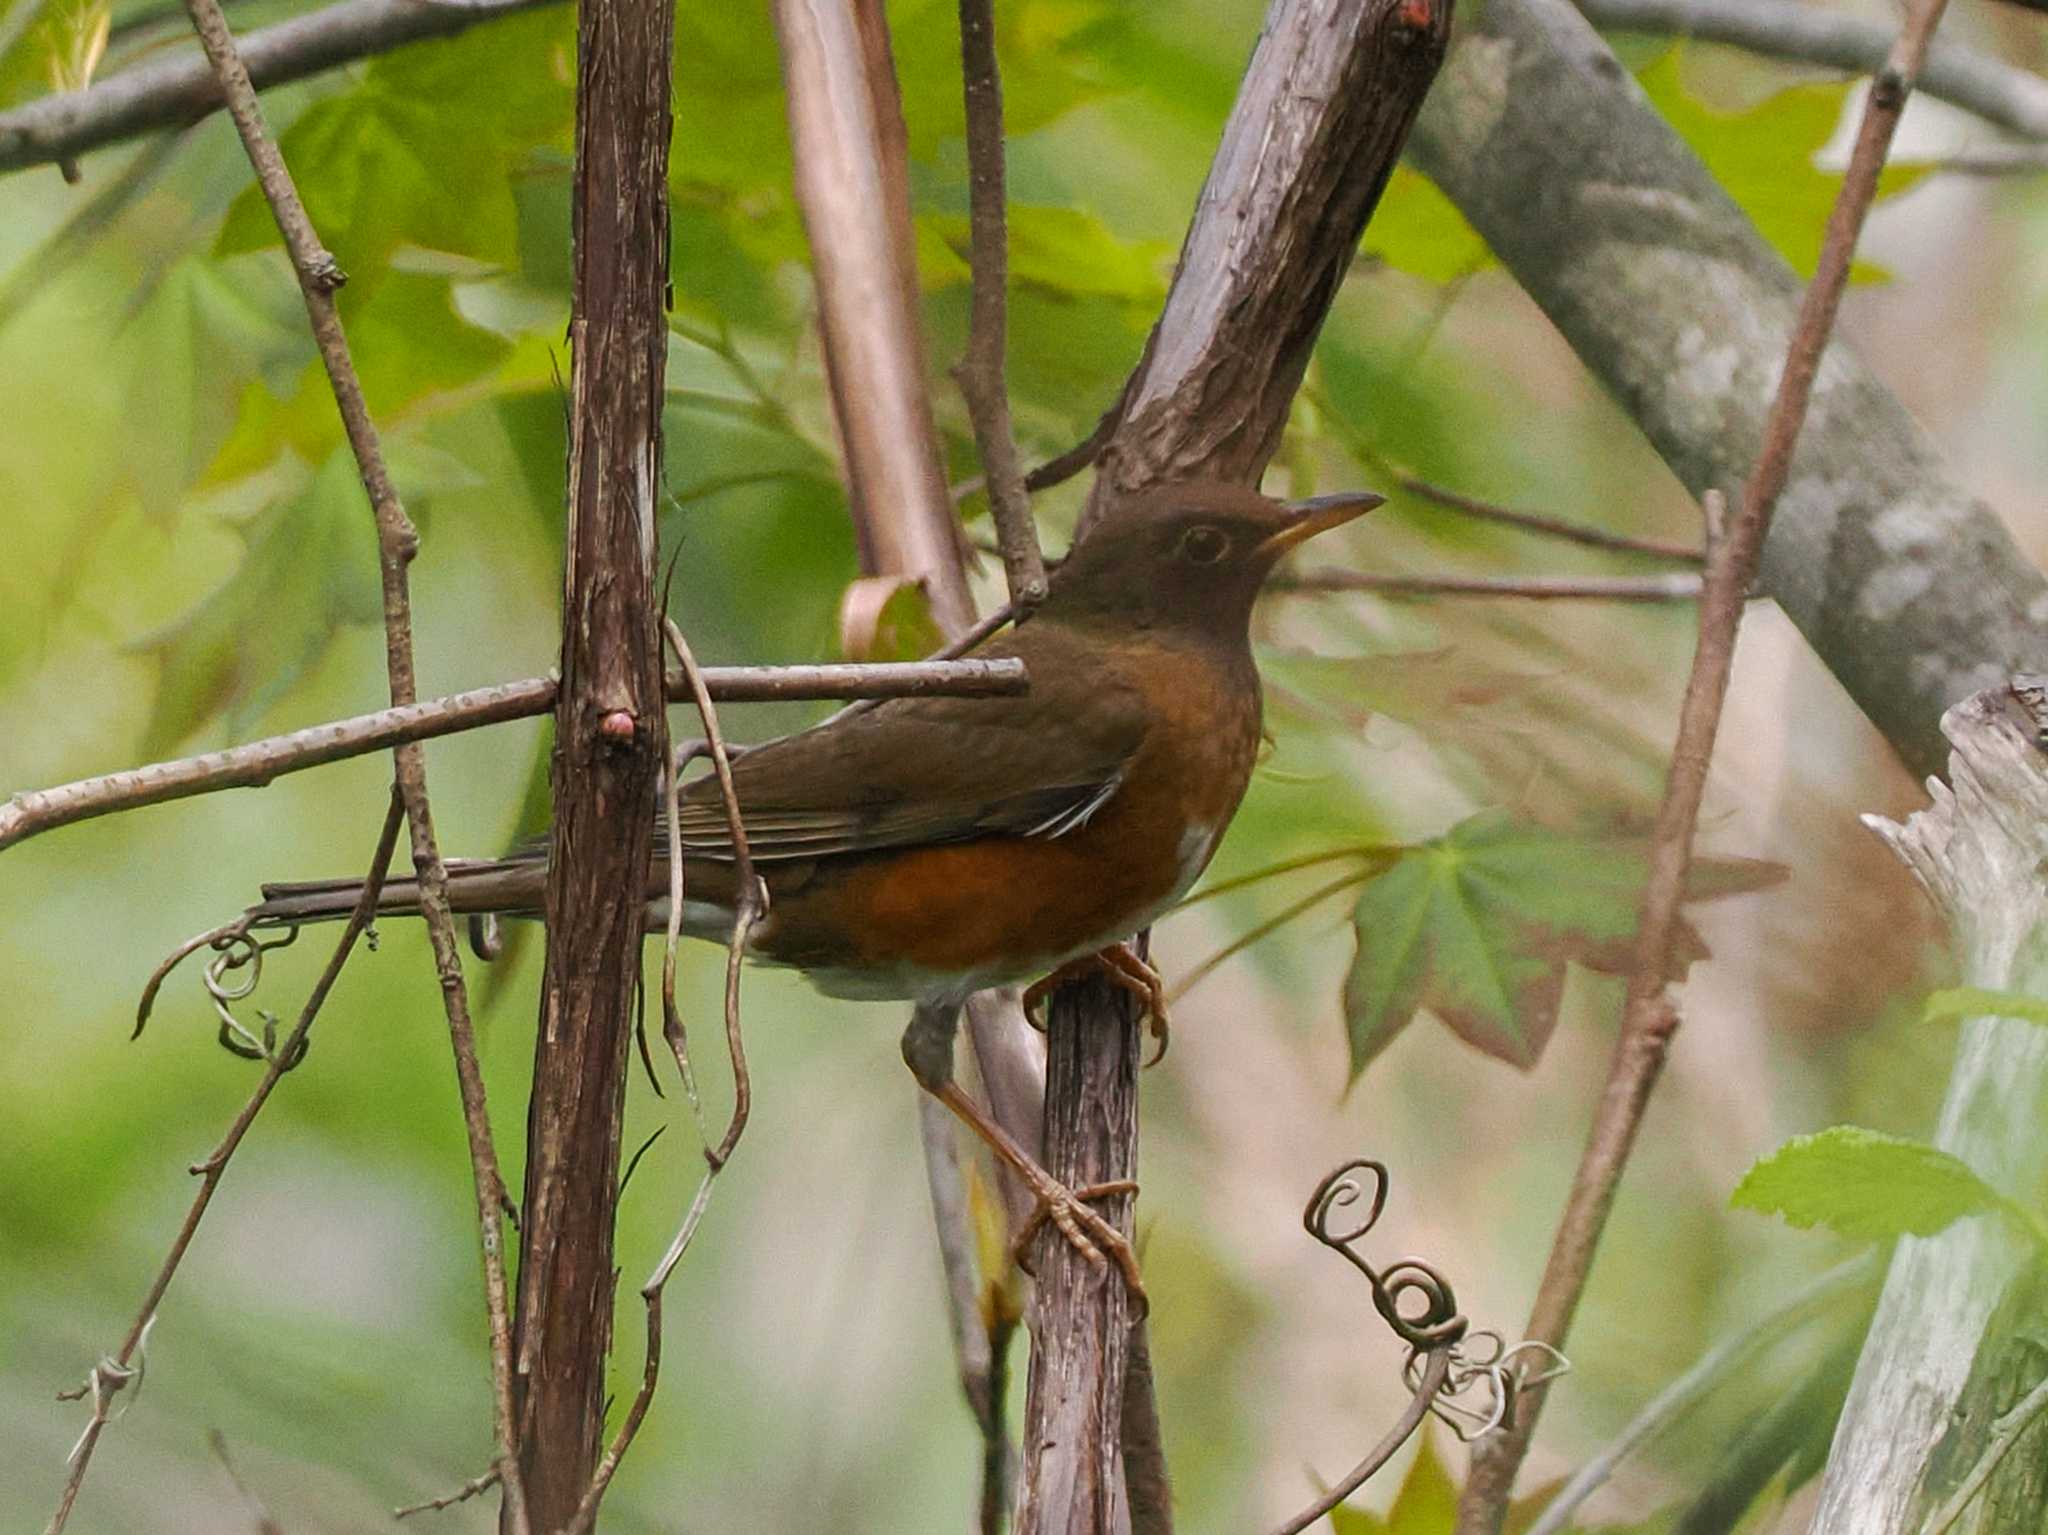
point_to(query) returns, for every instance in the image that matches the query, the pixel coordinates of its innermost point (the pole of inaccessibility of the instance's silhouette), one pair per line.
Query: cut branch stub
(1978, 850)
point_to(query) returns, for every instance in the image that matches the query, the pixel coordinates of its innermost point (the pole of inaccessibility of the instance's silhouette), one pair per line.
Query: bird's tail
(475, 885)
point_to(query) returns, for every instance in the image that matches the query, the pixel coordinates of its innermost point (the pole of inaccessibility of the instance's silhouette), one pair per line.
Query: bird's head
(1188, 556)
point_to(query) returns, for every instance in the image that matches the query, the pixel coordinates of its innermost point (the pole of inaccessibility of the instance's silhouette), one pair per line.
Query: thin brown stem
(752, 903)
(1648, 1016)
(114, 1372)
(1678, 587)
(397, 543)
(1546, 524)
(748, 910)
(1434, 1374)
(1062, 467)
(852, 181)
(255, 764)
(980, 372)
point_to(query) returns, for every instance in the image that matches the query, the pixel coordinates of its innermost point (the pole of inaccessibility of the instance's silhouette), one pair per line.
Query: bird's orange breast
(1009, 908)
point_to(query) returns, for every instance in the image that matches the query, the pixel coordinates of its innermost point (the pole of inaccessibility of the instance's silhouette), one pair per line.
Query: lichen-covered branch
(1911, 591)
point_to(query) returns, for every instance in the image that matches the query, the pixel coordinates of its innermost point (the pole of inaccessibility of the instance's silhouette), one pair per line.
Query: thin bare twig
(1648, 1016)
(397, 543)
(1544, 523)
(852, 181)
(252, 765)
(1548, 525)
(980, 372)
(114, 1372)
(749, 907)
(265, 1522)
(1062, 467)
(469, 1489)
(976, 1308)
(1677, 587)
(751, 901)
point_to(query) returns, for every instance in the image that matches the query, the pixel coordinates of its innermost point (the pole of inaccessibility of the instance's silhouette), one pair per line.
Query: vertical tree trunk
(1979, 851)
(608, 735)
(1073, 1481)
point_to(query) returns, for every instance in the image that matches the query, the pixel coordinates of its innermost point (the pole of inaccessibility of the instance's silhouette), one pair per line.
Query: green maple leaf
(1478, 925)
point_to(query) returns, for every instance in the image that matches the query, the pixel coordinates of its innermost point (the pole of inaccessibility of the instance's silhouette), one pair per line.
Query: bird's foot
(1086, 1231)
(1119, 964)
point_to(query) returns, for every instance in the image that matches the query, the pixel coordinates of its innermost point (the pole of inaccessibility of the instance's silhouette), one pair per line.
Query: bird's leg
(928, 1050)
(1120, 965)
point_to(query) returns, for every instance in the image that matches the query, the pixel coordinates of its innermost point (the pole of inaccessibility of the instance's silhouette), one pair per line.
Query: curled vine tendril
(235, 948)
(1436, 1323)
(1467, 1378)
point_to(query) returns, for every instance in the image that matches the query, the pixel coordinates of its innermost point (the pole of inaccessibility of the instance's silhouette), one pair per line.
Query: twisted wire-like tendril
(233, 949)
(1436, 1323)
(238, 950)
(1447, 1360)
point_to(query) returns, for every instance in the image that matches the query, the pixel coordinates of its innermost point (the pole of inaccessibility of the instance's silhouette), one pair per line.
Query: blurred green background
(189, 565)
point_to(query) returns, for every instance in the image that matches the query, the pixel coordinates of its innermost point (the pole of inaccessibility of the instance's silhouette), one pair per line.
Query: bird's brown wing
(914, 771)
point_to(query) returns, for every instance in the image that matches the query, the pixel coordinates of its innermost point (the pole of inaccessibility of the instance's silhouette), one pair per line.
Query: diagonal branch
(176, 90)
(1681, 587)
(258, 762)
(1675, 302)
(1648, 1015)
(1998, 92)
(114, 1372)
(173, 92)
(397, 543)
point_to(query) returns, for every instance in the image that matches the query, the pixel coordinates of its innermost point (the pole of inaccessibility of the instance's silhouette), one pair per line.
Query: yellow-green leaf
(1764, 157)
(1865, 1184)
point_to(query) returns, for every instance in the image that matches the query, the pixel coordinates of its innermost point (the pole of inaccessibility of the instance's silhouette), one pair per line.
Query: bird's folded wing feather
(921, 771)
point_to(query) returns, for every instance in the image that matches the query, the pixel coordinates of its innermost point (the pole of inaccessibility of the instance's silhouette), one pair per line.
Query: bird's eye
(1204, 545)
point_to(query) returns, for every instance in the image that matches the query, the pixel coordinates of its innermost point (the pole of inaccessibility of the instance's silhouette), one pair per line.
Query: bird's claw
(1086, 1231)
(1120, 965)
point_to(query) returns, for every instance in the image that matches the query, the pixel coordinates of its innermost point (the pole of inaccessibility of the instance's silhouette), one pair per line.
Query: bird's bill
(1318, 514)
